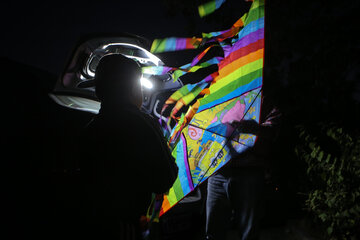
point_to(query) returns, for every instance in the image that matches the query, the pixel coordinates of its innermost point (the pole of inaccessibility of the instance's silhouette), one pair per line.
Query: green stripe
(180, 93)
(191, 96)
(207, 8)
(234, 76)
(158, 45)
(178, 189)
(232, 86)
(184, 90)
(172, 197)
(256, 12)
(175, 193)
(177, 95)
(177, 73)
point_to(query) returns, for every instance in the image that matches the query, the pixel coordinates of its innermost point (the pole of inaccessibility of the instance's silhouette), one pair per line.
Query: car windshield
(133, 52)
(126, 50)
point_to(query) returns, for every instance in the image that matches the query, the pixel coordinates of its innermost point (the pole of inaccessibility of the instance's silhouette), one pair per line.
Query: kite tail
(186, 118)
(153, 214)
(177, 130)
(183, 97)
(191, 111)
(212, 6)
(156, 70)
(154, 208)
(187, 68)
(174, 44)
(182, 71)
(183, 122)
(209, 7)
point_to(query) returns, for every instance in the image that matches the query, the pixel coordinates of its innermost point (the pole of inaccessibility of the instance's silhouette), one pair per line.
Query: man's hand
(247, 126)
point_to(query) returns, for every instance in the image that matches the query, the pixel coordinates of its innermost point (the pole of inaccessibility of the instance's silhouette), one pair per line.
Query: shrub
(333, 169)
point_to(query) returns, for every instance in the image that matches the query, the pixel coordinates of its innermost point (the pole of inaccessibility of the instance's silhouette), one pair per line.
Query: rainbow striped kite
(203, 139)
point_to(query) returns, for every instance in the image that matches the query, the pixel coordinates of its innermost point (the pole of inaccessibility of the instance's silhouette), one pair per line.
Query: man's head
(117, 78)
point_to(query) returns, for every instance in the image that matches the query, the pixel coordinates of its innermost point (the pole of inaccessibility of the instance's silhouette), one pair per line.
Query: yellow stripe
(201, 11)
(154, 45)
(172, 197)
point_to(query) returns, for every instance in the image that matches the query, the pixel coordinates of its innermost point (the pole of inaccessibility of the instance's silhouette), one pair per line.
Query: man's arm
(267, 129)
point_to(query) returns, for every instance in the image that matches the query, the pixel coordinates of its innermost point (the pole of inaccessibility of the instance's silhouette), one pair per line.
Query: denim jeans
(234, 202)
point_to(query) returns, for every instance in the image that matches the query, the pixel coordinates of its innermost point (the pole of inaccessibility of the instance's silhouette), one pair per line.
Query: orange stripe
(179, 104)
(165, 205)
(205, 91)
(238, 23)
(226, 70)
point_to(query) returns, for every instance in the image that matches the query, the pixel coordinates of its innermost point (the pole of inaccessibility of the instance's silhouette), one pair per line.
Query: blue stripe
(200, 84)
(170, 44)
(218, 3)
(237, 92)
(250, 28)
(182, 175)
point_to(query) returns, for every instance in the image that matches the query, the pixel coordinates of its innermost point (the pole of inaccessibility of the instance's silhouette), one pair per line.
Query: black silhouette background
(311, 56)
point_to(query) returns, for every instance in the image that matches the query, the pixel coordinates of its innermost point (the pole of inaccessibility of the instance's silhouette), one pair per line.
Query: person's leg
(246, 192)
(218, 211)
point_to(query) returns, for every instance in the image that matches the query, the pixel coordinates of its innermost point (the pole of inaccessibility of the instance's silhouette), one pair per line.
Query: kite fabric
(174, 44)
(209, 7)
(179, 71)
(203, 139)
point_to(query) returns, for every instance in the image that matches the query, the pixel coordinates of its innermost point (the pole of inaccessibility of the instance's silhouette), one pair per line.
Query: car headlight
(146, 83)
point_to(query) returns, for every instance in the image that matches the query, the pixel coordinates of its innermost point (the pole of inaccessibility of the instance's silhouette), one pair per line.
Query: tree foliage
(333, 168)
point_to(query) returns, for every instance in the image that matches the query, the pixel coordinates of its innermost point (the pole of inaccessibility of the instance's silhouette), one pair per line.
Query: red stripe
(252, 47)
(189, 44)
(192, 43)
(200, 56)
(228, 34)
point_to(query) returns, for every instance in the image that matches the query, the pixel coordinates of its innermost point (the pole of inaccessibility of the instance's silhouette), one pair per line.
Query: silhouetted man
(235, 192)
(127, 158)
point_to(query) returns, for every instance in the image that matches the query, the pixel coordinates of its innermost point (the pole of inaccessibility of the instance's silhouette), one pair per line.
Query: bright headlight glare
(146, 83)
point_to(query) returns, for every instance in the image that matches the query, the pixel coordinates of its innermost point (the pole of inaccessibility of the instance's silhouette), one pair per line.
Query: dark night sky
(43, 34)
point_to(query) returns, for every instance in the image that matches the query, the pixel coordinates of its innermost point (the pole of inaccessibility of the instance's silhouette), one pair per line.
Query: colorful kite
(203, 139)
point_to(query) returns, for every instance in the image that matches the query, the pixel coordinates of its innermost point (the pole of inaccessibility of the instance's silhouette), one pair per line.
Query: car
(75, 89)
